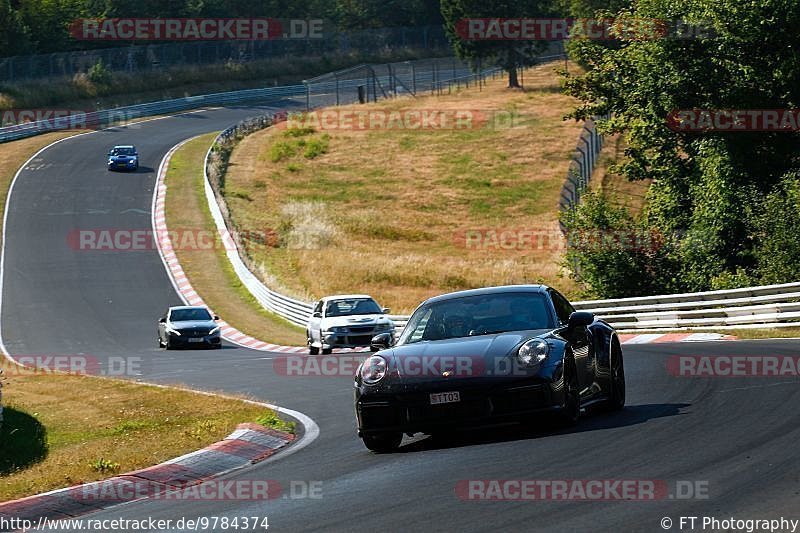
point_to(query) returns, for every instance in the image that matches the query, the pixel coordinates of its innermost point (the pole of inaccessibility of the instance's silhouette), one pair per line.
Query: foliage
(730, 199)
(509, 54)
(41, 26)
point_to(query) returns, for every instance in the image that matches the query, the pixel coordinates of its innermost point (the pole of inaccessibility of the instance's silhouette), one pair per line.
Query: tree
(509, 54)
(710, 188)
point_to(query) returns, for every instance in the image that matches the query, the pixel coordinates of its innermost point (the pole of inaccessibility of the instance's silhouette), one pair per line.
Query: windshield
(353, 306)
(123, 151)
(478, 315)
(181, 315)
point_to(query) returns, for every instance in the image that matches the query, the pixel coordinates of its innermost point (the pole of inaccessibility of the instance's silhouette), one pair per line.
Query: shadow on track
(544, 426)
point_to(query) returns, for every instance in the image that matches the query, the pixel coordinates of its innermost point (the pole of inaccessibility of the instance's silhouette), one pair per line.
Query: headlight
(373, 369)
(533, 352)
(213, 331)
(336, 329)
(173, 331)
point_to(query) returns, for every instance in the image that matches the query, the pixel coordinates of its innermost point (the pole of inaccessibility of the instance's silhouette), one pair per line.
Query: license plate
(196, 339)
(445, 397)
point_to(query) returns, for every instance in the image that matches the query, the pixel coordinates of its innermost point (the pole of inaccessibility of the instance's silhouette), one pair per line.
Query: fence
(143, 58)
(581, 166)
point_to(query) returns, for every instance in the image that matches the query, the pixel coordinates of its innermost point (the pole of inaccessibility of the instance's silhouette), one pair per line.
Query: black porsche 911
(485, 355)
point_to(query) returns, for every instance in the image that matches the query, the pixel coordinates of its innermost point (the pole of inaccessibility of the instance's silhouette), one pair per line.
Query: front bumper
(350, 340)
(184, 340)
(123, 165)
(411, 411)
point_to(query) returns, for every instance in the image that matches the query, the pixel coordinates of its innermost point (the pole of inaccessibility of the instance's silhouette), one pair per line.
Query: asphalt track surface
(737, 436)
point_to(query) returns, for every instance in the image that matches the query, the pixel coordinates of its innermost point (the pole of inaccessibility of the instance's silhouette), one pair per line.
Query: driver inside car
(456, 326)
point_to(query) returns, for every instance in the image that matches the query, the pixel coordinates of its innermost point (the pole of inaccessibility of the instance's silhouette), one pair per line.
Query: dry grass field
(404, 213)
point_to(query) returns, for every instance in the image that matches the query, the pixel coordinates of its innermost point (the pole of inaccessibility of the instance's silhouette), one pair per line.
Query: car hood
(355, 320)
(479, 357)
(186, 324)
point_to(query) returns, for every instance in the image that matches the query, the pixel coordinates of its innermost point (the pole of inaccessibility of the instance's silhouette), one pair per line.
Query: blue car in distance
(123, 157)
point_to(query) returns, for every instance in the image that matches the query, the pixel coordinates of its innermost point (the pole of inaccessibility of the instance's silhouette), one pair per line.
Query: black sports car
(484, 355)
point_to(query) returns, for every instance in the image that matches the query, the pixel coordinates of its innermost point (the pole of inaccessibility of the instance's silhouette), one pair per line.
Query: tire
(383, 442)
(616, 399)
(312, 350)
(168, 345)
(160, 344)
(570, 411)
(327, 351)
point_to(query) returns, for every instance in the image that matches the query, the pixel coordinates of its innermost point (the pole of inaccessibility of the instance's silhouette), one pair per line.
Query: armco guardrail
(772, 306)
(122, 115)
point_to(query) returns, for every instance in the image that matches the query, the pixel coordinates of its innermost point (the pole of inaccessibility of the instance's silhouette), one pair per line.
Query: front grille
(194, 332)
(359, 339)
(361, 329)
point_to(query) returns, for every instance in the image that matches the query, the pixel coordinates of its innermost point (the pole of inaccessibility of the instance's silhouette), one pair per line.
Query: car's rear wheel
(382, 442)
(616, 399)
(570, 410)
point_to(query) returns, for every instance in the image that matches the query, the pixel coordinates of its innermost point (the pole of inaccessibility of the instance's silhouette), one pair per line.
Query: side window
(563, 307)
(318, 307)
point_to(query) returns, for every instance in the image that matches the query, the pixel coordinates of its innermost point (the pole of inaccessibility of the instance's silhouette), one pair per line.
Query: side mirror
(109, 154)
(580, 319)
(216, 317)
(381, 341)
(386, 310)
(317, 314)
(162, 320)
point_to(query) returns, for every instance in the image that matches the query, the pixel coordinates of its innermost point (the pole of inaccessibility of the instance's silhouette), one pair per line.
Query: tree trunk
(513, 82)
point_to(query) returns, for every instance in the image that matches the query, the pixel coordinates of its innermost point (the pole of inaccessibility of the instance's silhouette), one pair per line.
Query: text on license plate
(445, 397)
(196, 339)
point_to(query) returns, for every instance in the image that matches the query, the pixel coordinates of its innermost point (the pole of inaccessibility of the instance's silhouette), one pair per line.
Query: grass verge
(386, 211)
(209, 270)
(61, 429)
(754, 333)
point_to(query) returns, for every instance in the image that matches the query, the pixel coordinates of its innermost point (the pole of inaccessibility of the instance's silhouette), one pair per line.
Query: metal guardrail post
(308, 95)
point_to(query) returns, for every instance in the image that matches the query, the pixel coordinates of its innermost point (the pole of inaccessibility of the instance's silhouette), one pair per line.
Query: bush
(613, 255)
(99, 74)
(317, 147)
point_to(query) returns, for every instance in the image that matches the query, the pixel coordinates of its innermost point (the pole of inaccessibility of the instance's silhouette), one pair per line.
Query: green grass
(210, 272)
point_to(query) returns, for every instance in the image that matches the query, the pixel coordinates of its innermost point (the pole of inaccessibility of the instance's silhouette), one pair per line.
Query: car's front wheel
(570, 410)
(327, 351)
(616, 400)
(312, 350)
(382, 442)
